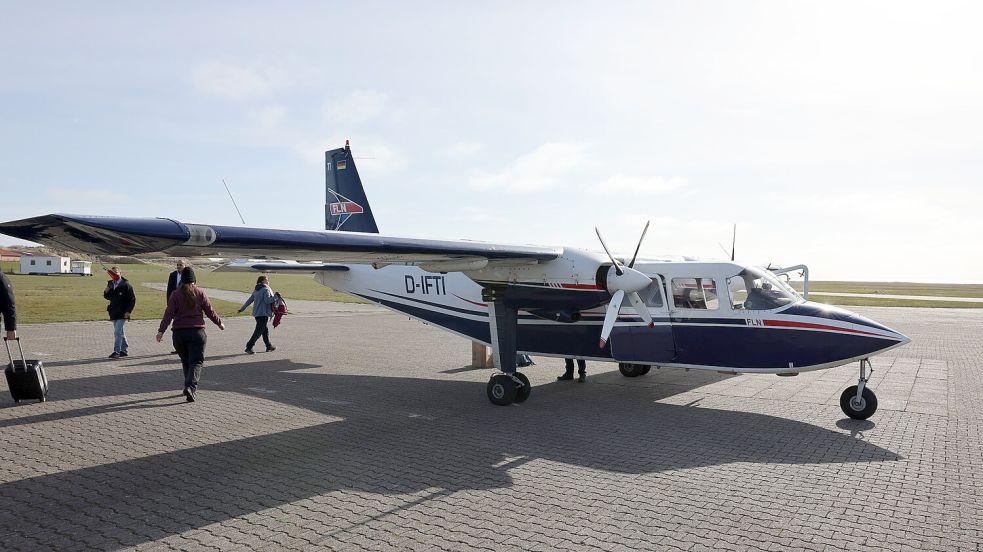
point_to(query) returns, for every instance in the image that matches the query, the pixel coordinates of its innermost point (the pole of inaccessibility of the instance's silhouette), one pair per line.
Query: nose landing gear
(857, 401)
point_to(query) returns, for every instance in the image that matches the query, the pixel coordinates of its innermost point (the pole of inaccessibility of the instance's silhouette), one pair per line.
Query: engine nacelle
(565, 316)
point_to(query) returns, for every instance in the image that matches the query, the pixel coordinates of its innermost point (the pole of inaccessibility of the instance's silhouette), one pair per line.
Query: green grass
(876, 302)
(896, 288)
(44, 299)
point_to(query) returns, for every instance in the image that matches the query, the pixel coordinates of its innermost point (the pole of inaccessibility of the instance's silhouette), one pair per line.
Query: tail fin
(345, 208)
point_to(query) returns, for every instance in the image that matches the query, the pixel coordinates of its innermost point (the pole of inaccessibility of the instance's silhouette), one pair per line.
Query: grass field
(43, 299)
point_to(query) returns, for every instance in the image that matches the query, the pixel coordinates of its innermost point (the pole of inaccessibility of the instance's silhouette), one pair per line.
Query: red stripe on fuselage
(790, 324)
(581, 286)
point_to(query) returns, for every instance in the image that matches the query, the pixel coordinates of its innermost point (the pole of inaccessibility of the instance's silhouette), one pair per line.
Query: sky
(843, 135)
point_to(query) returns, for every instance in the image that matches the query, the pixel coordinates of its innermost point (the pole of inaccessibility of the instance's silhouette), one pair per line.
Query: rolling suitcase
(25, 378)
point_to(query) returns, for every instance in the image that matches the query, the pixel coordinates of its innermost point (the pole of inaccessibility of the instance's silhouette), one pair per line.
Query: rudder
(346, 207)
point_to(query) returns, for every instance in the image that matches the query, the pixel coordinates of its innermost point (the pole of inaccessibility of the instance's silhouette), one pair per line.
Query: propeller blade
(641, 308)
(635, 256)
(617, 267)
(612, 315)
(733, 244)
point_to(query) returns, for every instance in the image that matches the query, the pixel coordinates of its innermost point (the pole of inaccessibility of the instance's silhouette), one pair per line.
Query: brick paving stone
(366, 431)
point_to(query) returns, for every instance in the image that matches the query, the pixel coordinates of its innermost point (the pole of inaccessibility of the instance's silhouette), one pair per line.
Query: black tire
(645, 370)
(630, 370)
(862, 411)
(522, 393)
(501, 390)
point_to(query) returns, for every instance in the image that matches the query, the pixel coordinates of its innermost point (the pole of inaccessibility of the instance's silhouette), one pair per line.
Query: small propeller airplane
(549, 301)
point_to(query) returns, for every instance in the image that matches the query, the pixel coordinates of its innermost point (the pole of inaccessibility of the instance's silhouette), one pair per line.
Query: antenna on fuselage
(233, 202)
(733, 244)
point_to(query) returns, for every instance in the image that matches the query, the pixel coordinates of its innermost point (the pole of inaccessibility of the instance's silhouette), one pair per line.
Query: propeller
(625, 281)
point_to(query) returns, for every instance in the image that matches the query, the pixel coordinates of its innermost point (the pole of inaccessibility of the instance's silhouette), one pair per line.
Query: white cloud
(633, 185)
(461, 149)
(360, 106)
(545, 168)
(270, 116)
(236, 82)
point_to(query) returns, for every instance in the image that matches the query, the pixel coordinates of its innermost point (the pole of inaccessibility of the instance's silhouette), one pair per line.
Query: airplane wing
(161, 236)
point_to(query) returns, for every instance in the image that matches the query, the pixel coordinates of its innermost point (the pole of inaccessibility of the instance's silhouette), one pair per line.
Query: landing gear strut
(858, 401)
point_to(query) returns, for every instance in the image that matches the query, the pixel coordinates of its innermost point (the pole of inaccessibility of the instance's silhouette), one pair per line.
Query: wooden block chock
(481, 356)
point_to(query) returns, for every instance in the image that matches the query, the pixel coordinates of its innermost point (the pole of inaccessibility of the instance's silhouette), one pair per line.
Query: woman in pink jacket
(187, 308)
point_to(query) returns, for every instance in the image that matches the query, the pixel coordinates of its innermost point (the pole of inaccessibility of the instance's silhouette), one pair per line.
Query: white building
(42, 264)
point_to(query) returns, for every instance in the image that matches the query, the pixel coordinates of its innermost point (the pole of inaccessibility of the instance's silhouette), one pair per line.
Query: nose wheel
(858, 401)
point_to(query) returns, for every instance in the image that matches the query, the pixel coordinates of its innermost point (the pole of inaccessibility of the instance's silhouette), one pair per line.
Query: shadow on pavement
(396, 436)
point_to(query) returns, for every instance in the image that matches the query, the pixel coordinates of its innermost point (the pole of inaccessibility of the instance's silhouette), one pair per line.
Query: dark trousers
(261, 330)
(581, 366)
(190, 346)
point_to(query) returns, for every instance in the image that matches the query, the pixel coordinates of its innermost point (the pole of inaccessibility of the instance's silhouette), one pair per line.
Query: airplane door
(636, 342)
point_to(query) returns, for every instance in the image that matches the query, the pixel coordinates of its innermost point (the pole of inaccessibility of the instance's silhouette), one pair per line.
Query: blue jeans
(120, 345)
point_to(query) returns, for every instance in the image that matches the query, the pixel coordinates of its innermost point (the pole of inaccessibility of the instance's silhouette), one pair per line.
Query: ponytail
(189, 295)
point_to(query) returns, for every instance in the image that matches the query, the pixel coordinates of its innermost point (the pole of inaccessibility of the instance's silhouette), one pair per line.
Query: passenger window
(695, 293)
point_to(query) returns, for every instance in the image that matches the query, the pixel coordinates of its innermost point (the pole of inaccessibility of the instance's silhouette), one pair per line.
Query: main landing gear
(505, 389)
(857, 401)
(633, 370)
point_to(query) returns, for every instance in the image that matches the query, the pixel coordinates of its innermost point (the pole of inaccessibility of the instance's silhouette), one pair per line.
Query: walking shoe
(565, 377)
(123, 354)
(191, 395)
(114, 355)
(250, 352)
(582, 378)
(271, 348)
(187, 393)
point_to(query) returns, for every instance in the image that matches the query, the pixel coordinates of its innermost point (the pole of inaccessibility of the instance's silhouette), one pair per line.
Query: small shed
(44, 264)
(82, 268)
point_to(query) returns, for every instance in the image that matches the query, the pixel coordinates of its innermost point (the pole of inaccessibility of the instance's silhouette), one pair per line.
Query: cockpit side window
(651, 295)
(695, 293)
(758, 289)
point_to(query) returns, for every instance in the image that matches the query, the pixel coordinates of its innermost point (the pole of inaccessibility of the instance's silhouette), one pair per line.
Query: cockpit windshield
(758, 289)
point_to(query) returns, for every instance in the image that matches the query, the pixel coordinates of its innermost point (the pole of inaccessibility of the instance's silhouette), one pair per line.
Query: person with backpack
(262, 302)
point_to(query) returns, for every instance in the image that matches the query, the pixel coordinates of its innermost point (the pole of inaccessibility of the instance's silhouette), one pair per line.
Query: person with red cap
(122, 301)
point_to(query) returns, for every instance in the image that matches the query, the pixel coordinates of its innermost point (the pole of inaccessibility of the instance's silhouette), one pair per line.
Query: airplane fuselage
(703, 314)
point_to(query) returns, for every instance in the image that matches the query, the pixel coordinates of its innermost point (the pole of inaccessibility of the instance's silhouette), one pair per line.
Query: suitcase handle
(22, 359)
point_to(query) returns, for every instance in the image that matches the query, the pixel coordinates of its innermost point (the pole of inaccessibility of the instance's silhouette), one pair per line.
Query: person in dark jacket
(173, 281)
(8, 308)
(122, 301)
(581, 370)
(262, 301)
(187, 308)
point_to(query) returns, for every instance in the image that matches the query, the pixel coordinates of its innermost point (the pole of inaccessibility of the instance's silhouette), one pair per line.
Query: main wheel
(858, 410)
(501, 390)
(630, 370)
(645, 370)
(522, 393)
